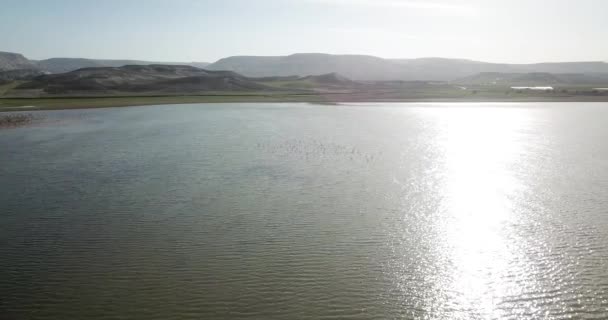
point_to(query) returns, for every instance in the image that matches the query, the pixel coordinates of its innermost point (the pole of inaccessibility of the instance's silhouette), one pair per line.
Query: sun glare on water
(481, 149)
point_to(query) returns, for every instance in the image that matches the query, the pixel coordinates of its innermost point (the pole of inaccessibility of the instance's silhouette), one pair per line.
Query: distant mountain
(355, 67)
(304, 64)
(60, 65)
(360, 67)
(14, 61)
(137, 78)
(450, 69)
(564, 67)
(442, 69)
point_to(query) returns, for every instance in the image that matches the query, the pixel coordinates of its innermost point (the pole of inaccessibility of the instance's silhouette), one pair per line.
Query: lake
(301, 211)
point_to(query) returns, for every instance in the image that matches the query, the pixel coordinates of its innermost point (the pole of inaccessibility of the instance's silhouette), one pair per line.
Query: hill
(19, 74)
(304, 64)
(370, 68)
(136, 78)
(14, 61)
(60, 65)
(355, 67)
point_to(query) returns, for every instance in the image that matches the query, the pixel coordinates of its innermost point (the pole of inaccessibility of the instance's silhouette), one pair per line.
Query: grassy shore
(56, 103)
(17, 104)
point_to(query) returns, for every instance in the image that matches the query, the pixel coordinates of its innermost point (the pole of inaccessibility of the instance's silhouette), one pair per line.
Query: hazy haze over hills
(14, 61)
(361, 67)
(355, 67)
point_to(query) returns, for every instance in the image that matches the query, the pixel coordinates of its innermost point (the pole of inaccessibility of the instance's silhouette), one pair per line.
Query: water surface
(297, 211)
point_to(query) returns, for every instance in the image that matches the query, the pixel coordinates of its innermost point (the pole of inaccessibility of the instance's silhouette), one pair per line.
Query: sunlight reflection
(480, 146)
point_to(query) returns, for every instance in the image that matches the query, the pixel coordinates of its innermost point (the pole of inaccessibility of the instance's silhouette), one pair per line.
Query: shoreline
(83, 102)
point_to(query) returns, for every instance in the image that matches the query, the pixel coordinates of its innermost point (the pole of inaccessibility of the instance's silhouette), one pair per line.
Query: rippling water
(295, 211)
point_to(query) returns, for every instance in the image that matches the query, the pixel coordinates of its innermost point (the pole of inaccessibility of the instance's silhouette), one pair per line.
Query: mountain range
(355, 67)
(370, 68)
(13, 61)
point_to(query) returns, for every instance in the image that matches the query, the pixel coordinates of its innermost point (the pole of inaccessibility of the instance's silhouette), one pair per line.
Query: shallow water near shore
(301, 211)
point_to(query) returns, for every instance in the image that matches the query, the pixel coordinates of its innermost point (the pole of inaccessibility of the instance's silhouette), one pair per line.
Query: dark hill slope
(19, 74)
(135, 78)
(60, 65)
(205, 83)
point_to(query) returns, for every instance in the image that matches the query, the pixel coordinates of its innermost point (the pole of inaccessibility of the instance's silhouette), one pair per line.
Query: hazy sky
(200, 30)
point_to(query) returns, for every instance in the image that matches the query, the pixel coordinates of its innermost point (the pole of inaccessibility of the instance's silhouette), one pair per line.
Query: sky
(509, 31)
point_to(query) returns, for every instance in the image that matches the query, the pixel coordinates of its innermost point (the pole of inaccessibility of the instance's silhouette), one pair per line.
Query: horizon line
(303, 53)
